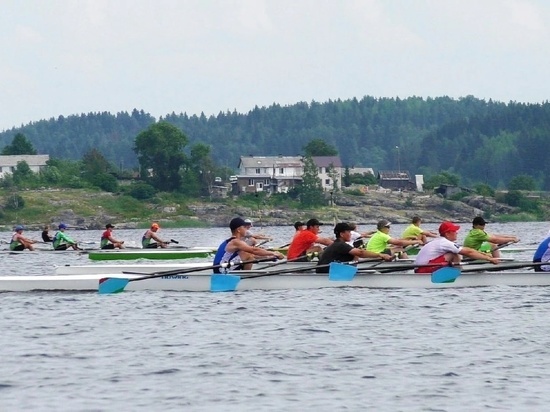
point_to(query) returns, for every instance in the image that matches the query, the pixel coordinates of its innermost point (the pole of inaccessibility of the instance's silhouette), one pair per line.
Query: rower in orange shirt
(304, 242)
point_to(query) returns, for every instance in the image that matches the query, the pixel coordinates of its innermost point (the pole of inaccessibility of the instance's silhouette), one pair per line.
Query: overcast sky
(63, 57)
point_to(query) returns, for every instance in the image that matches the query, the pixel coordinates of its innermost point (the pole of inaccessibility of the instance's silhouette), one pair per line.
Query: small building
(8, 164)
(330, 171)
(450, 190)
(270, 174)
(396, 180)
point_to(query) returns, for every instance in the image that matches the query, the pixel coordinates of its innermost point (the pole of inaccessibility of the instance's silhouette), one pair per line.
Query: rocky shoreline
(396, 207)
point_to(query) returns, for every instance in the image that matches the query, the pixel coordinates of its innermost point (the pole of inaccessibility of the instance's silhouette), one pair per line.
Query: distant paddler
(108, 241)
(61, 241)
(234, 250)
(415, 232)
(151, 234)
(20, 242)
(46, 238)
(382, 242)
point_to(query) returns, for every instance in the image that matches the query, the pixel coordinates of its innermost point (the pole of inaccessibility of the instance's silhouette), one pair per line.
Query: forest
(481, 141)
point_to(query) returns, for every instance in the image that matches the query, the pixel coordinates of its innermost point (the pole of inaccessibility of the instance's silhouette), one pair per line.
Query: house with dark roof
(396, 180)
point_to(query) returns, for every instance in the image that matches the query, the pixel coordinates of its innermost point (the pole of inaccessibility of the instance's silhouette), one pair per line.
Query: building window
(266, 181)
(250, 182)
(320, 170)
(259, 186)
(327, 182)
(258, 171)
(281, 170)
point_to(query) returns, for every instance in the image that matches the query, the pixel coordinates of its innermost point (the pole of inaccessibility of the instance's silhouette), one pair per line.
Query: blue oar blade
(445, 275)
(224, 283)
(112, 285)
(340, 272)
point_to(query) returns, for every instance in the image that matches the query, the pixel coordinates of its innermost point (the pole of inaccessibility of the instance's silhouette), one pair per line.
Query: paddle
(282, 247)
(346, 271)
(117, 285)
(445, 275)
(505, 266)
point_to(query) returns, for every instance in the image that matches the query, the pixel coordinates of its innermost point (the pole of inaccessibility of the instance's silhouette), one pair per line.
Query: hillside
(482, 141)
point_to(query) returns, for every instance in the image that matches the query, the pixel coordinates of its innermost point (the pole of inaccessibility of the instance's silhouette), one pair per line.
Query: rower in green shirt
(477, 235)
(61, 241)
(414, 231)
(382, 242)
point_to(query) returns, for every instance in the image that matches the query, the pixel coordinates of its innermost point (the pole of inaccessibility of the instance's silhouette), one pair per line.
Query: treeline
(481, 141)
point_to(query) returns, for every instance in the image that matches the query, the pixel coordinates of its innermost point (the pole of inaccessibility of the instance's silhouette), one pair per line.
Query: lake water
(322, 350)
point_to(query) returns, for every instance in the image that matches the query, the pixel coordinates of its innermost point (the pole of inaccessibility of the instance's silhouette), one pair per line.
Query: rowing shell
(148, 254)
(200, 282)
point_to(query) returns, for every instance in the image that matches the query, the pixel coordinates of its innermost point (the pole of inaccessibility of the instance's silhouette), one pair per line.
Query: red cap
(448, 227)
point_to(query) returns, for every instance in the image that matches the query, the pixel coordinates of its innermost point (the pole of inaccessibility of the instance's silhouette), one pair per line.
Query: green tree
(160, 155)
(23, 174)
(318, 147)
(93, 163)
(442, 178)
(19, 146)
(522, 182)
(311, 190)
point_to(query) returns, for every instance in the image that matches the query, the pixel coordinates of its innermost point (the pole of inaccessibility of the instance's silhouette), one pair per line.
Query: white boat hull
(200, 282)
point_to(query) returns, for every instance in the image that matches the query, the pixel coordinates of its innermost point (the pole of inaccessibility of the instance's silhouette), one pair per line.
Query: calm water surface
(323, 350)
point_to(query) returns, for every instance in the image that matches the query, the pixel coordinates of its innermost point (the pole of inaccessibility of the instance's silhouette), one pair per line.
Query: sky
(67, 57)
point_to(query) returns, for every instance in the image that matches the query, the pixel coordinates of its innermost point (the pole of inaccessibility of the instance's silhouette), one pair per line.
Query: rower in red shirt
(304, 242)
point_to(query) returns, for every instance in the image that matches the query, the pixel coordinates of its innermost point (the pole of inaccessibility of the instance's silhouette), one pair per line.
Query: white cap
(248, 221)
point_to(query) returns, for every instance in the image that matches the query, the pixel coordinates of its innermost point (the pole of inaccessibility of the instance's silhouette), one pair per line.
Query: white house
(330, 171)
(271, 174)
(8, 164)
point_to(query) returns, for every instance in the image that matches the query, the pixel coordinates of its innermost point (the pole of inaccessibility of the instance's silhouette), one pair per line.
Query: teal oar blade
(112, 285)
(445, 275)
(341, 272)
(224, 283)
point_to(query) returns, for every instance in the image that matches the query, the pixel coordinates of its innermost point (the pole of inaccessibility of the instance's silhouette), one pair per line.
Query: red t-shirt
(302, 241)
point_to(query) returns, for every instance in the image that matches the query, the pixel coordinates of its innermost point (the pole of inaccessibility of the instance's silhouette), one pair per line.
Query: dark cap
(383, 223)
(313, 222)
(62, 226)
(298, 225)
(236, 223)
(341, 227)
(478, 220)
(108, 225)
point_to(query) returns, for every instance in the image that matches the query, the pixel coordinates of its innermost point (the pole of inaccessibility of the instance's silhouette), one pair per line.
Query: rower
(382, 242)
(20, 242)
(108, 241)
(415, 232)
(235, 250)
(444, 251)
(61, 241)
(477, 235)
(304, 242)
(152, 234)
(341, 251)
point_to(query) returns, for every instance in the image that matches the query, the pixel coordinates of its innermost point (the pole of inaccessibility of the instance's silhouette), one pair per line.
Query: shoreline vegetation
(92, 209)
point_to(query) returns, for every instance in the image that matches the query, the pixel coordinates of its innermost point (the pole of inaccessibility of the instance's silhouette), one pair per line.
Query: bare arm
(237, 244)
(404, 242)
(474, 254)
(324, 241)
(363, 253)
(500, 239)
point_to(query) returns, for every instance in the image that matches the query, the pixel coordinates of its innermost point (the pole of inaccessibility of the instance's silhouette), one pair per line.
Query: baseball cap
(341, 227)
(155, 226)
(383, 223)
(19, 227)
(236, 223)
(313, 222)
(298, 225)
(448, 227)
(248, 222)
(108, 225)
(62, 226)
(478, 220)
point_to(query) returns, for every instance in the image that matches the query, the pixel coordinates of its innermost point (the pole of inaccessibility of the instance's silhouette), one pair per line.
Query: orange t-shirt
(301, 242)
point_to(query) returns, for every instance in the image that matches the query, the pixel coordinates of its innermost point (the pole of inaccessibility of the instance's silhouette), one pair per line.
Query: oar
(117, 285)
(505, 266)
(229, 283)
(345, 272)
